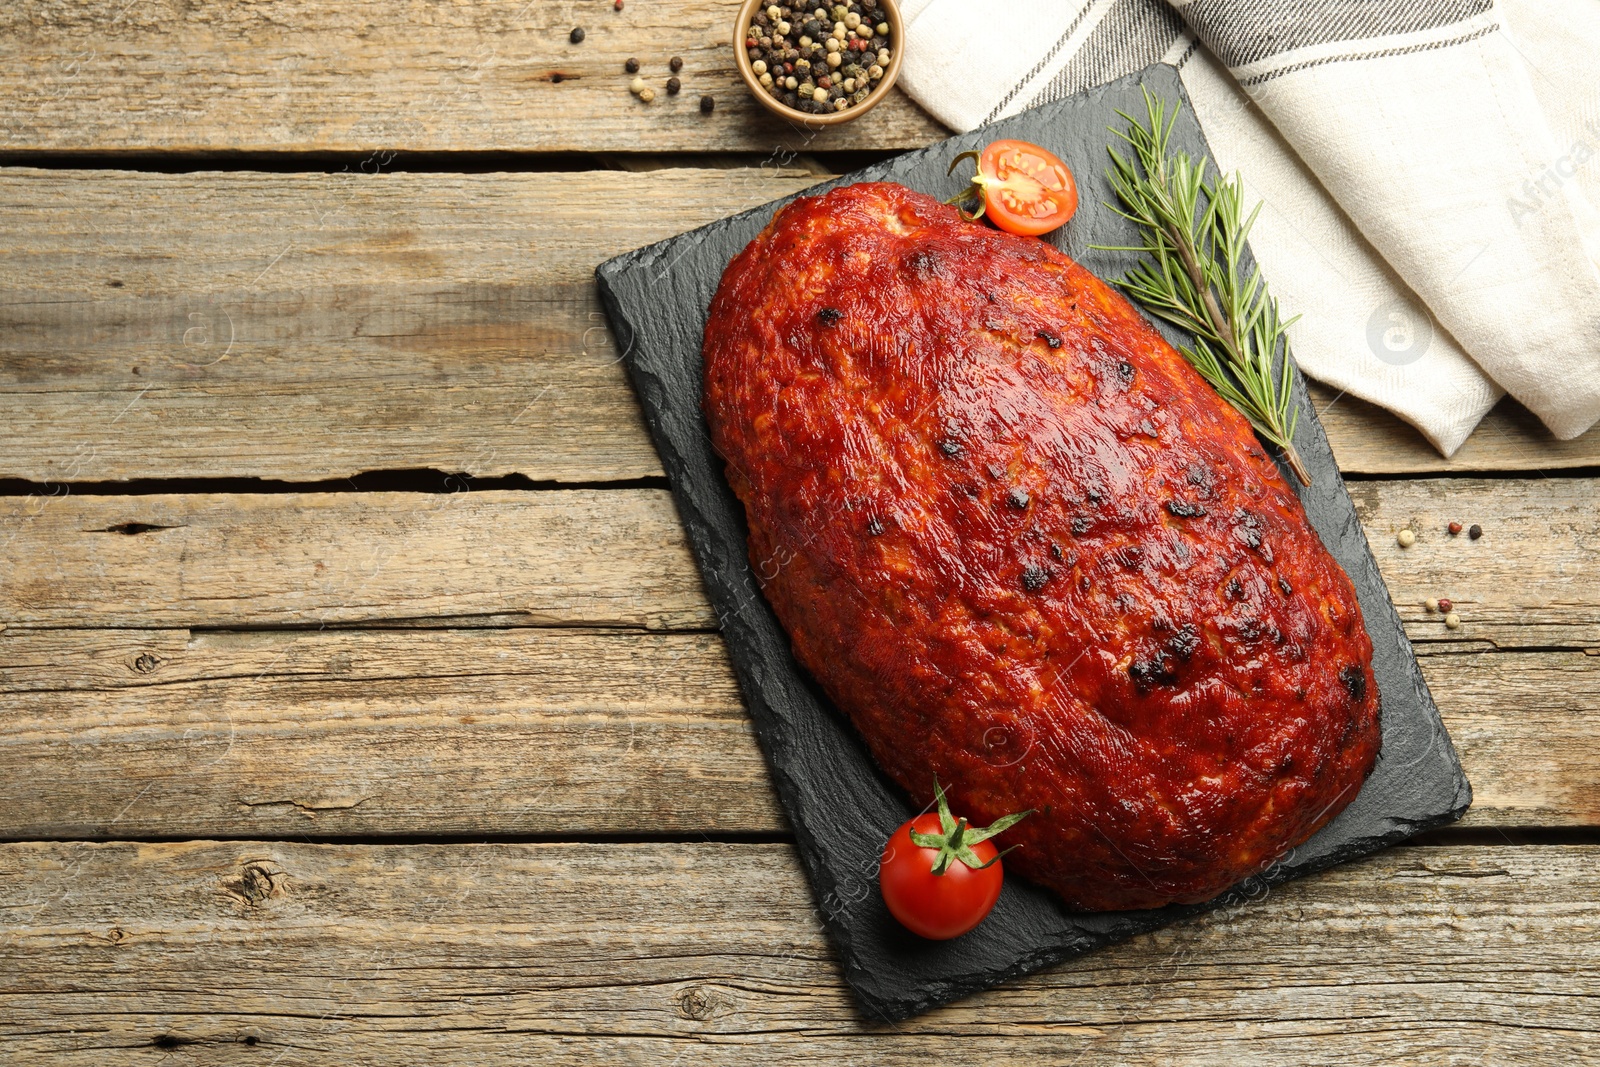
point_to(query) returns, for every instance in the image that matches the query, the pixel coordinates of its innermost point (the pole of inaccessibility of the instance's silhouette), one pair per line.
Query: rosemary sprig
(1194, 232)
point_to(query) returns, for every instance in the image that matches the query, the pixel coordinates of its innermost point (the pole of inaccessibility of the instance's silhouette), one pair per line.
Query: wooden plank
(1368, 440)
(164, 733)
(582, 557)
(1531, 580)
(297, 954)
(618, 557)
(314, 326)
(210, 75)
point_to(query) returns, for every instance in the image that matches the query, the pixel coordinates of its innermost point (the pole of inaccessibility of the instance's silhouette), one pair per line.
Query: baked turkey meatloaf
(1030, 553)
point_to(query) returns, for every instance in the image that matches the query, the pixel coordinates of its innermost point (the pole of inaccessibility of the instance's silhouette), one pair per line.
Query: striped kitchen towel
(1429, 170)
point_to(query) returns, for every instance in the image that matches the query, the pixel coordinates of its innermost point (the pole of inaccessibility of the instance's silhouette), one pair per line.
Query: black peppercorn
(707, 104)
(673, 85)
(576, 36)
(1475, 531)
(631, 66)
(676, 63)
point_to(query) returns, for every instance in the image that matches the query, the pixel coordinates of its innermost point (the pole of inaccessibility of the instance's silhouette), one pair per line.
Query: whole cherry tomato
(1023, 188)
(940, 875)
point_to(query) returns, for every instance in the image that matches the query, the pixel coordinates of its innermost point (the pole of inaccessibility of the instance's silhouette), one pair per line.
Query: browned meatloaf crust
(1029, 552)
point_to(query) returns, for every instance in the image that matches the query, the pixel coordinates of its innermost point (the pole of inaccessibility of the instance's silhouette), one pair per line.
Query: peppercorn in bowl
(822, 64)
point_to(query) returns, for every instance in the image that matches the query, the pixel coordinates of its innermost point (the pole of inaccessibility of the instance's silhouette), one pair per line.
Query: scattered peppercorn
(1455, 528)
(1476, 532)
(823, 59)
(631, 66)
(647, 94)
(617, 6)
(638, 86)
(675, 63)
(1406, 538)
(1446, 605)
(576, 36)
(707, 105)
(1431, 604)
(673, 85)
(1453, 621)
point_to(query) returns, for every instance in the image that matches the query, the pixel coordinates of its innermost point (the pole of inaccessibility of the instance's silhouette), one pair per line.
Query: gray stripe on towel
(1241, 32)
(1131, 36)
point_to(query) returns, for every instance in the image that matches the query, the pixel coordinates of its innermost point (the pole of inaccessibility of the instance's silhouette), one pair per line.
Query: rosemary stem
(1192, 276)
(1219, 321)
(1224, 330)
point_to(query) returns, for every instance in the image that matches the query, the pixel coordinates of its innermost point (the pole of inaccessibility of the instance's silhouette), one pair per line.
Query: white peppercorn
(819, 95)
(759, 66)
(882, 30)
(834, 59)
(852, 20)
(647, 94)
(1407, 538)
(637, 86)
(1453, 621)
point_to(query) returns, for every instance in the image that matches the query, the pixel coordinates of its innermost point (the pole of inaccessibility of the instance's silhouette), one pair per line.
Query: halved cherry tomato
(1021, 187)
(939, 875)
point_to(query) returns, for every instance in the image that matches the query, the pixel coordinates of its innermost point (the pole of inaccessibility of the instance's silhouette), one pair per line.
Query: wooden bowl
(748, 9)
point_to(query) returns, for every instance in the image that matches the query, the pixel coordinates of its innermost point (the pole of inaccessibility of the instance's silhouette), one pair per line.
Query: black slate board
(657, 300)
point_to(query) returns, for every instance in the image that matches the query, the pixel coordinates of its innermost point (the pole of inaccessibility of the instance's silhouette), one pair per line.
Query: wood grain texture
(161, 733)
(1369, 440)
(296, 75)
(1532, 579)
(313, 326)
(167, 733)
(294, 954)
(582, 557)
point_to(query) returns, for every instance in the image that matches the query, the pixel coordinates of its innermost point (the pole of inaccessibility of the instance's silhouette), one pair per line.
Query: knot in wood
(696, 1003)
(254, 884)
(146, 662)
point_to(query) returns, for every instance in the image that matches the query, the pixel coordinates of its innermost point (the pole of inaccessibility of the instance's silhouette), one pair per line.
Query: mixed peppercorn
(1442, 605)
(822, 59)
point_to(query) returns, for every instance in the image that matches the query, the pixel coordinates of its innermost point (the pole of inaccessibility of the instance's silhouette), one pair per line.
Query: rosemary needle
(1194, 233)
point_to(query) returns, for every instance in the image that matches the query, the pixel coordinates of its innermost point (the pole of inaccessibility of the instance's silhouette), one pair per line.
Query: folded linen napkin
(1429, 170)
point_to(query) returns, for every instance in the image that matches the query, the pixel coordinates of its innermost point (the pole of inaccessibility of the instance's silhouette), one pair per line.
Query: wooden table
(362, 704)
